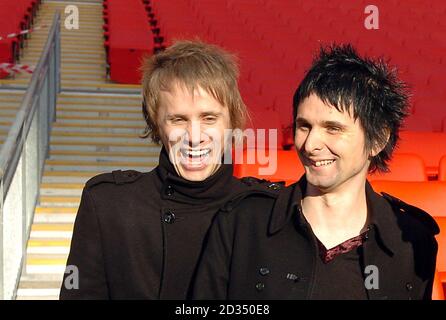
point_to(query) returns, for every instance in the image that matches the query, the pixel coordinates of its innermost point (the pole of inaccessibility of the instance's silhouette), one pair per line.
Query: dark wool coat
(139, 235)
(263, 248)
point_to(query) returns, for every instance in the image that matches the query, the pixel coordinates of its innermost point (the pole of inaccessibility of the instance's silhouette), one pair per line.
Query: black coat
(263, 248)
(139, 235)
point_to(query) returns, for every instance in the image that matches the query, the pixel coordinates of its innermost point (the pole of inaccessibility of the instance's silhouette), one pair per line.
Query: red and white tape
(13, 35)
(16, 68)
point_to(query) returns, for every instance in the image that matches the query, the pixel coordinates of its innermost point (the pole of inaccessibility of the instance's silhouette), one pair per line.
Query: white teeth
(323, 163)
(196, 153)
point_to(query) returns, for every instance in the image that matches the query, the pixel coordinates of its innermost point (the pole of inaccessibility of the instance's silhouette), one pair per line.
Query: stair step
(61, 185)
(107, 157)
(93, 133)
(99, 163)
(99, 104)
(108, 143)
(102, 114)
(42, 277)
(96, 110)
(40, 285)
(135, 131)
(38, 294)
(93, 121)
(93, 147)
(61, 234)
(69, 176)
(64, 124)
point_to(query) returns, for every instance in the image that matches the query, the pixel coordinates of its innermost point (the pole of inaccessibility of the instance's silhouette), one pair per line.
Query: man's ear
(380, 145)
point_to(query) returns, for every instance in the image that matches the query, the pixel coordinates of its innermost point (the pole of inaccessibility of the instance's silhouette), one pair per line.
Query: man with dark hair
(329, 236)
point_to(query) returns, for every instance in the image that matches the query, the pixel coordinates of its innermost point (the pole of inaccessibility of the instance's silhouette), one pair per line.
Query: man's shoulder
(412, 216)
(252, 192)
(117, 177)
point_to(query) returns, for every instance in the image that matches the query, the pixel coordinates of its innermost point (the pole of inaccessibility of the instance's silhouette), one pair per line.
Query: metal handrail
(37, 112)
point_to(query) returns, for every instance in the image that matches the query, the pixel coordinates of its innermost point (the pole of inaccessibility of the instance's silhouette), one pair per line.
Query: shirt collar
(381, 215)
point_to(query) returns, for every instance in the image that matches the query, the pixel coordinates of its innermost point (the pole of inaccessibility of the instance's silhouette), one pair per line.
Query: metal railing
(22, 158)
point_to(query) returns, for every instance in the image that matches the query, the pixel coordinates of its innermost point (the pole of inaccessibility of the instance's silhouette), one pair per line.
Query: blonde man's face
(192, 129)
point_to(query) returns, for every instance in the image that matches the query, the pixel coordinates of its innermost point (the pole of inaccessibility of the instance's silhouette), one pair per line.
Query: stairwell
(96, 130)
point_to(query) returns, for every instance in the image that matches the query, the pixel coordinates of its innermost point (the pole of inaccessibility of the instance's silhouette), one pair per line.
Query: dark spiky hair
(368, 87)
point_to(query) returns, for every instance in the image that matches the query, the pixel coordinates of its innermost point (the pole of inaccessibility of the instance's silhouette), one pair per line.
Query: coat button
(169, 190)
(260, 286)
(264, 271)
(274, 186)
(409, 286)
(293, 277)
(169, 217)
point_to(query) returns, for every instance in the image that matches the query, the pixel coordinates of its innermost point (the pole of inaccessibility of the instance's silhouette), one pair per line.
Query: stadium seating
(428, 196)
(430, 146)
(418, 122)
(14, 17)
(442, 169)
(288, 167)
(437, 290)
(128, 39)
(403, 167)
(269, 37)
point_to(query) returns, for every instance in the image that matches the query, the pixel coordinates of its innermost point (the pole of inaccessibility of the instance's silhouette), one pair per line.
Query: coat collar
(173, 187)
(381, 214)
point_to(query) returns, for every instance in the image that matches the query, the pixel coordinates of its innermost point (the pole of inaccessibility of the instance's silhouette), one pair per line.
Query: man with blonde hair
(139, 235)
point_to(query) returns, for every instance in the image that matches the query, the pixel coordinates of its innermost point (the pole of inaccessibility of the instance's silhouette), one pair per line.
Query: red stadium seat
(266, 123)
(428, 195)
(287, 164)
(437, 290)
(129, 39)
(442, 169)
(430, 146)
(418, 122)
(403, 167)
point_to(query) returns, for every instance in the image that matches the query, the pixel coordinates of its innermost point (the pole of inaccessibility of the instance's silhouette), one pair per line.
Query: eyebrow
(328, 123)
(203, 114)
(211, 113)
(334, 124)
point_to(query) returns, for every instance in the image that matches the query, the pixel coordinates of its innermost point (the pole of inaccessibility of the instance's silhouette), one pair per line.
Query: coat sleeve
(85, 262)
(212, 277)
(431, 250)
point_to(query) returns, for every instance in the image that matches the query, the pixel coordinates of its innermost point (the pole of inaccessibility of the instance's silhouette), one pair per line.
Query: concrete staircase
(97, 128)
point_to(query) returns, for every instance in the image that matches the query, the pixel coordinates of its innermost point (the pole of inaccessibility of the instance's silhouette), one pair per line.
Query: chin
(196, 175)
(321, 183)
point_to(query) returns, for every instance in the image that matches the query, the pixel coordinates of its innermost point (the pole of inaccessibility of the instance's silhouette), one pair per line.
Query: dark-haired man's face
(331, 146)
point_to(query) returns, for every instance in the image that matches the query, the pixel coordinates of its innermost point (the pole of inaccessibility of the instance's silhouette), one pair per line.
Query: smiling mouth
(322, 163)
(195, 154)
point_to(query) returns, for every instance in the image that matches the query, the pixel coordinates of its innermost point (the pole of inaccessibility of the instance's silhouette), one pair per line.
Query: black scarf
(215, 189)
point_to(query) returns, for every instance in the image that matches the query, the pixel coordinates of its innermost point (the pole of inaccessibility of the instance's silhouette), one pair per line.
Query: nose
(313, 142)
(194, 136)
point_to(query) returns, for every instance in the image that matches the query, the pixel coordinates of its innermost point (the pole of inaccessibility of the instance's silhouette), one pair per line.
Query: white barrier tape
(16, 68)
(13, 35)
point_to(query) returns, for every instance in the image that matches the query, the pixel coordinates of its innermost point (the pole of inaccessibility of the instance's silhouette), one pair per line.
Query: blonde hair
(192, 64)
